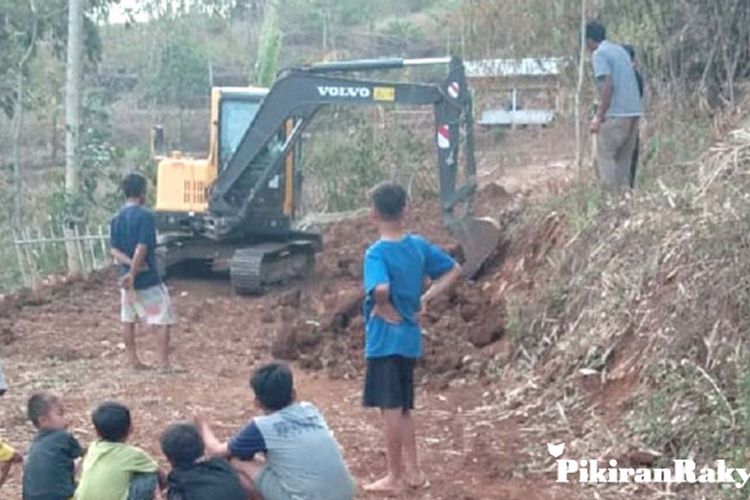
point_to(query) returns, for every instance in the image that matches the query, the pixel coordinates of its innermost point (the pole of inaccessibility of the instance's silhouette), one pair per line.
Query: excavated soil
(320, 324)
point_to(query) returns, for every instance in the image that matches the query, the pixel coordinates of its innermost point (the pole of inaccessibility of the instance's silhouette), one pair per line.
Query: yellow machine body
(181, 182)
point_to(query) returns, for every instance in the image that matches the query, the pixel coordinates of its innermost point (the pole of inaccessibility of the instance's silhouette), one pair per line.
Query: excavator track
(254, 269)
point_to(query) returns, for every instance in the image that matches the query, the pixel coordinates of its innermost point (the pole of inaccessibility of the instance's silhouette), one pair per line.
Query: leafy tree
(100, 168)
(330, 17)
(182, 75)
(25, 24)
(269, 47)
(399, 35)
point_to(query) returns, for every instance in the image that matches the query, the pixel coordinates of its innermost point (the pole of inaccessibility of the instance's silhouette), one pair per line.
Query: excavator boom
(238, 194)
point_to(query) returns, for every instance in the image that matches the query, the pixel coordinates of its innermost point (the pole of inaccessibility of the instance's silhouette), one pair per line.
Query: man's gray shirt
(612, 59)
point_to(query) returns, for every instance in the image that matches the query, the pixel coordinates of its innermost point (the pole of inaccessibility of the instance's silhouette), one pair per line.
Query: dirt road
(68, 342)
(466, 452)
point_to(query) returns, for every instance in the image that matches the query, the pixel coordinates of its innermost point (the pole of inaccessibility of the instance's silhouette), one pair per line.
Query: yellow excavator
(235, 210)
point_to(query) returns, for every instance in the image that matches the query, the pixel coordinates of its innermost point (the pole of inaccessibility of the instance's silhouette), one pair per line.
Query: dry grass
(635, 332)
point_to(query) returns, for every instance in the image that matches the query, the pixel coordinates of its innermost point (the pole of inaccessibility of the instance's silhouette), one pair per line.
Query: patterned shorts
(151, 305)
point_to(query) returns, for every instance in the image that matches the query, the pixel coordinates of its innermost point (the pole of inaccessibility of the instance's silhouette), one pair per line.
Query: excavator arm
(299, 93)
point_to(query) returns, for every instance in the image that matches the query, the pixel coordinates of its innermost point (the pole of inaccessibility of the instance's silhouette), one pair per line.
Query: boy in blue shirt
(395, 268)
(143, 295)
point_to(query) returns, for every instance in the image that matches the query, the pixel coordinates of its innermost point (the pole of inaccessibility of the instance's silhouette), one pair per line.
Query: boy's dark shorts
(389, 383)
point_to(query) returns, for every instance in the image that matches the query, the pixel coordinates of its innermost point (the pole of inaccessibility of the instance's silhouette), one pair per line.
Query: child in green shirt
(113, 469)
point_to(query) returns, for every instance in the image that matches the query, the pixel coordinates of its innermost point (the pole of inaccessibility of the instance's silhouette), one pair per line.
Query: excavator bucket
(478, 237)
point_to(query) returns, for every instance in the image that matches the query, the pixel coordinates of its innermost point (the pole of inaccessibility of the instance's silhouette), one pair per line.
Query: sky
(118, 12)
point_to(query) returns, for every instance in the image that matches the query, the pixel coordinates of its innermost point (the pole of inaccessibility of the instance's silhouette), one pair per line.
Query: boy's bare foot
(388, 484)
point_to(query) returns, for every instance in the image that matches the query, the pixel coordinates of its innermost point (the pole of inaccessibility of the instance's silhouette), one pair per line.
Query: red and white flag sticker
(453, 89)
(443, 137)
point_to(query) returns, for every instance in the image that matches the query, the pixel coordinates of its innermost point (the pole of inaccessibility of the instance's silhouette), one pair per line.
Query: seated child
(8, 456)
(194, 479)
(302, 459)
(50, 465)
(113, 469)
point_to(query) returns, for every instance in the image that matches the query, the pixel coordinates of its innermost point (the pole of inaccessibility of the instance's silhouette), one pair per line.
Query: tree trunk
(73, 71)
(55, 140)
(579, 89)
(463, 31)
(18, 121)
(325, 30)
(181, 116)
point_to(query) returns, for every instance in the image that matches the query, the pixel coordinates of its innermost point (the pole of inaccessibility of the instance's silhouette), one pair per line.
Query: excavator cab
(236, 111)
(183, 183)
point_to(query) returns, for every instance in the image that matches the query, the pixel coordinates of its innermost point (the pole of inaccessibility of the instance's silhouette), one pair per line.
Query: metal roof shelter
(528, 66)
(505, 86)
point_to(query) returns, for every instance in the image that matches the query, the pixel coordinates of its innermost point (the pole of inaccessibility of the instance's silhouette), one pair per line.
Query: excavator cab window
(235, 116)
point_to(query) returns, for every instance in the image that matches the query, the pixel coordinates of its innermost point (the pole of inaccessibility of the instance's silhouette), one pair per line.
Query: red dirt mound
(325, 329)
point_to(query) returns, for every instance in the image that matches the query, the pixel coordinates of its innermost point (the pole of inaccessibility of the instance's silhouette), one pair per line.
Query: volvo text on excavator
(236, 209)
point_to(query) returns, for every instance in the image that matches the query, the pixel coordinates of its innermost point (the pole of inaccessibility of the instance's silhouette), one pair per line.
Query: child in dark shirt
(192, 478)
(395, 269)
(50, 465)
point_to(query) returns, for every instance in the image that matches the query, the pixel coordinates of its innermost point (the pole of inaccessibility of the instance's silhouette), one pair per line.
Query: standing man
(143, 295)
(634, 165)
(620, 107)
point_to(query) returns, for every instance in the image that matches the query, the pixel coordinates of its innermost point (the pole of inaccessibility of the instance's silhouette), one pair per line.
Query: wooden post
(42, 248)
(56, 245)
(33, 272)
(79, 251)
(90, 244)
(19, 255)
(73, 83)
(105, 255)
